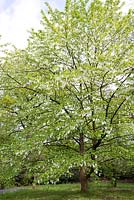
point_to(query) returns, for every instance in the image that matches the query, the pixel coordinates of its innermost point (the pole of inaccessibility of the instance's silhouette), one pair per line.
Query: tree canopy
(67, 99)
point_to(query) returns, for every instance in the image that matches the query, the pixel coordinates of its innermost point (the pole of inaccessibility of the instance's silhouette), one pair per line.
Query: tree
(70, 92)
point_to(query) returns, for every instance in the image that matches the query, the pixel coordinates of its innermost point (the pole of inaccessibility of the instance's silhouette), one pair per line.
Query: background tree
(118, 167)
(71, 90)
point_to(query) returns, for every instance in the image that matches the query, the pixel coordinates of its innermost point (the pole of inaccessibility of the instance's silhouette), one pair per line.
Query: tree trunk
(83, 175)
(83, 180)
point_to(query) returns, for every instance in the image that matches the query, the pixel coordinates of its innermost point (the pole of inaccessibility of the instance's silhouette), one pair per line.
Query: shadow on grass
(69, 192)
(42, 195)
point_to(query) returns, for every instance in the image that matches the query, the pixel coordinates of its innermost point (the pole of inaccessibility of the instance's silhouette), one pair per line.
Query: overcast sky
(19, 16)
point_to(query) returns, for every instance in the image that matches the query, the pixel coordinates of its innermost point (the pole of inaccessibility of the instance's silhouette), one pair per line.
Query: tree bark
(83, 175)
(83, 180)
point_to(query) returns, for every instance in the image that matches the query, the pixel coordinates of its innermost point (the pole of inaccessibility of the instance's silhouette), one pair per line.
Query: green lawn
(97, 191)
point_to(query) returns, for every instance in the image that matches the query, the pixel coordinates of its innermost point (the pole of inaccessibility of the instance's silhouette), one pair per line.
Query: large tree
(68, 96)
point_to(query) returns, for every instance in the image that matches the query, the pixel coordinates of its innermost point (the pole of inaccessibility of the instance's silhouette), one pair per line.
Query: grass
(97, 191)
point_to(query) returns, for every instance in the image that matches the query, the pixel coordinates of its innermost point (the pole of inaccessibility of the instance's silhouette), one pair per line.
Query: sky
(17, 17)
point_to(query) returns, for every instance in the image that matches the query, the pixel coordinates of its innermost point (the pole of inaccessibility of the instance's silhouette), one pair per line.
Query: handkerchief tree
(69, 94)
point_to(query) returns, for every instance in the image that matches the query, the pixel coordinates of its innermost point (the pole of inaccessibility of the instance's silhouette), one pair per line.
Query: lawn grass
(97, 191)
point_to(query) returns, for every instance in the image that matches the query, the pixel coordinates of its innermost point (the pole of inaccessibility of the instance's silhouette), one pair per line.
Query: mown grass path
(97, 191)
